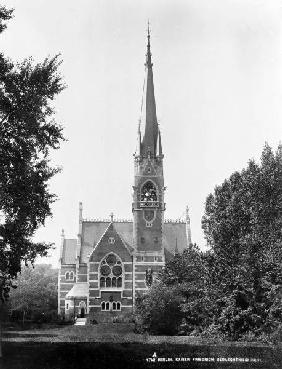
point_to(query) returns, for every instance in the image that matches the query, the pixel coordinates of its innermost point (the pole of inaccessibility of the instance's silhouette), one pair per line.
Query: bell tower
(148, 190)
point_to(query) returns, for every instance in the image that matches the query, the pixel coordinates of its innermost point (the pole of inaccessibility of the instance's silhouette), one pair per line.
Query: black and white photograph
(140, 184)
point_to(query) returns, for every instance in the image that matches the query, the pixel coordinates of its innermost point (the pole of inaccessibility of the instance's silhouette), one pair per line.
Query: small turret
(80, 219)
(112, 217)
(62, 244)
(80, 212)
(159, 150)
(188, 227)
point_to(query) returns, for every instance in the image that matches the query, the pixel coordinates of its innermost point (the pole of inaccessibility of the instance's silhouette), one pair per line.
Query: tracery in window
(148, 192)
(111, 272)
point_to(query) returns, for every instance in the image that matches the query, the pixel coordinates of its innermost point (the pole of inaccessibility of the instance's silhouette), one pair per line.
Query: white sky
(218, 87)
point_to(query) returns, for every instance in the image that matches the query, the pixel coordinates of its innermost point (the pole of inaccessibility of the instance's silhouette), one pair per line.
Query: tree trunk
(1, 354)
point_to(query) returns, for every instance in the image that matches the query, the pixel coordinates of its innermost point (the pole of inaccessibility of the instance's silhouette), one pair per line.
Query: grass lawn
(116, 346)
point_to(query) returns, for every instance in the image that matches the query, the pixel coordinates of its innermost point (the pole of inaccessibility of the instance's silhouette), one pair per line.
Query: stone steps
(80, 321)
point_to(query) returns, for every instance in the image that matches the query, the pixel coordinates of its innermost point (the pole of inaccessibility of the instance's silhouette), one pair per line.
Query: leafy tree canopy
(243, 217)
(28, 132)
(37, 291)
(243, 226)
(234, 290)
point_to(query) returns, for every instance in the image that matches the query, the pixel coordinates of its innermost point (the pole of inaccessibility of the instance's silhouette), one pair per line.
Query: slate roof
(69, 251)
(78, 290)
(92, 231)
(173, 231)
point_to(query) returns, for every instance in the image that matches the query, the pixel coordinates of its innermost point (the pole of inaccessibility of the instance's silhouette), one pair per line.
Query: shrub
(123, 318)
(159, 310)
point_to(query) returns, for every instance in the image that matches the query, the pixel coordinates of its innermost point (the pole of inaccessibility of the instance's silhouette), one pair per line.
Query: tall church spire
(149, 123)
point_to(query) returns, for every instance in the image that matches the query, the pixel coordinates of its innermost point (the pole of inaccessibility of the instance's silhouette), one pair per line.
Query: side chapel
(112, 261)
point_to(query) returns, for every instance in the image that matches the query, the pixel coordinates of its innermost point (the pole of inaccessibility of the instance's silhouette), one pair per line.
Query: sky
(218, 88)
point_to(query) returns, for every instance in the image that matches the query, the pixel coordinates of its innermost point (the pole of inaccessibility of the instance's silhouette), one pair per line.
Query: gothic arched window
(110, 306)
(149, 192)
(110, 272)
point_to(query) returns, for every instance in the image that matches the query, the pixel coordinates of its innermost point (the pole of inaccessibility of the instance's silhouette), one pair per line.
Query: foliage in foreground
(36, 297)
(28, 132)
(233, 291)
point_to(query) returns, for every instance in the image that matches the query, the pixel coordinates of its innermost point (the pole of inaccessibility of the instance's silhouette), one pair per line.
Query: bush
(159, 310)
(123, 318)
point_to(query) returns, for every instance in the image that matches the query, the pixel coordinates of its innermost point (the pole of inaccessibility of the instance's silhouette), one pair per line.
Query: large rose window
(111, 272)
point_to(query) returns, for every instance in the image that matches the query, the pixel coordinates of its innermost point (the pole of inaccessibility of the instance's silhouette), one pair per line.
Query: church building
(113, 261)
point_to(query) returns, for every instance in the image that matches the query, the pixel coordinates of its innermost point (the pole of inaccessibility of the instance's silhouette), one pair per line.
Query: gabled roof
(78, 290)
(92, 231)
(111, 231)
(69, 251)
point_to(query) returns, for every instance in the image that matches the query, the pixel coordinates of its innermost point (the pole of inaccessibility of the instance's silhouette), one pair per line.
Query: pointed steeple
(149, 123)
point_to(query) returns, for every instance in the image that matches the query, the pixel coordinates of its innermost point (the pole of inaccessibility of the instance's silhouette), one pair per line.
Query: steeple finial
(148, 55)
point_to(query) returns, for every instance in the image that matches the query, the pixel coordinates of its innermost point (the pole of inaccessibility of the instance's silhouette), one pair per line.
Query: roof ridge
(103, 220)
(124, 220)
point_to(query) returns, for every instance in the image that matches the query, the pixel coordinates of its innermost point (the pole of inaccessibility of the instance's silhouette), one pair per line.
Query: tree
(159, 310)
(28, 132)
(179, 301)
(235, 289)
(36, 295)
(243, 227)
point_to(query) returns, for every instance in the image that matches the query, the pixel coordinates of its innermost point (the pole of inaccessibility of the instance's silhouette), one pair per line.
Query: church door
(82, 307)
(82, 312)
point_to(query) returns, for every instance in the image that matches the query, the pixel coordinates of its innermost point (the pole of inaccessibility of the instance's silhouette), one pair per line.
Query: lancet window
(110, 305)
(69, 276)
